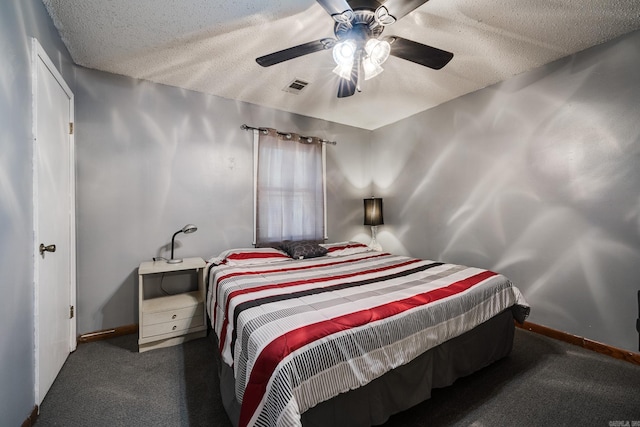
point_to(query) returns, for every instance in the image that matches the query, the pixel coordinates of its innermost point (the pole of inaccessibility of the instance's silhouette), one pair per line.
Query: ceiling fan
(359, 48)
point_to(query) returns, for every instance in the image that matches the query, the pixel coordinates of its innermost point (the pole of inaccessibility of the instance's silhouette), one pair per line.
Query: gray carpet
(542, 383)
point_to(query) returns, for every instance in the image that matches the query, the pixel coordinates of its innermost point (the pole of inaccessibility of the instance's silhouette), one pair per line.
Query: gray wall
(538, 178)
(19, 21)
(152, 158)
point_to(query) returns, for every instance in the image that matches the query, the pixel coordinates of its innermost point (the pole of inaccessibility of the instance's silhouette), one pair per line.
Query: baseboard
(586, 343)
(108, 333)
(31, 419)
(596, 346)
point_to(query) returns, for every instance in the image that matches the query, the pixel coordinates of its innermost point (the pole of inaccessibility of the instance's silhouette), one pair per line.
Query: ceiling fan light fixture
(344, 52)
(371, 69)
(344, 71)
(377, 51)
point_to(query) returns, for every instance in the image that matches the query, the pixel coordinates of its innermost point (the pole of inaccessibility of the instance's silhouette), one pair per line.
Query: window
(290, 192)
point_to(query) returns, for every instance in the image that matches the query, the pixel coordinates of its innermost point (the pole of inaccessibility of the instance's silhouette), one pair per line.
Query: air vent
(296, 86)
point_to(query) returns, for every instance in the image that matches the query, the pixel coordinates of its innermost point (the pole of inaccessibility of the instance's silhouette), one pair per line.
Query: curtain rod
(285, 134)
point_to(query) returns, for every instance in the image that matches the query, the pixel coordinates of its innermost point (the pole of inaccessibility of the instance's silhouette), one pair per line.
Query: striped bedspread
(300, 332)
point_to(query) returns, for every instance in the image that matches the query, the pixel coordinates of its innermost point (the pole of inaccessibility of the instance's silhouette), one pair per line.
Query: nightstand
(171, 319)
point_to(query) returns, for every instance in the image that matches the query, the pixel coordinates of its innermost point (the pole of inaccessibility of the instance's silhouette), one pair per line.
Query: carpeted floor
(542, 383)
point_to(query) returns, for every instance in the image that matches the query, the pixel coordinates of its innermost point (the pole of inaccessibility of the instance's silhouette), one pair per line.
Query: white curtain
(289, 188)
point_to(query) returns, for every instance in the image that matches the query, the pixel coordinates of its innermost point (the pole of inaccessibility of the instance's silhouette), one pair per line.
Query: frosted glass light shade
(371, 69)
(344, 71)
(377, 50)
(343, 52)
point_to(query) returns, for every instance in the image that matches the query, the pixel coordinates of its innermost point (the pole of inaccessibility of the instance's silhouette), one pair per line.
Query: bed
(337, 334)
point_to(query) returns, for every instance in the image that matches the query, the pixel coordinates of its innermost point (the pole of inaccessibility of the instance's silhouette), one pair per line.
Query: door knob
(49, 248)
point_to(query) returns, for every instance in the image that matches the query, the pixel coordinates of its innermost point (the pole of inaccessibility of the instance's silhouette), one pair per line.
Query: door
(54, 221)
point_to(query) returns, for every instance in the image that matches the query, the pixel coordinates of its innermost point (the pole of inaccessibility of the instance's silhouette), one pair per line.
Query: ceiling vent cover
(296, 86)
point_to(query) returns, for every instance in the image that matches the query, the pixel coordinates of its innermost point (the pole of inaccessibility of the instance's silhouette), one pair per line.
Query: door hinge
(70, 128)
(70, 312)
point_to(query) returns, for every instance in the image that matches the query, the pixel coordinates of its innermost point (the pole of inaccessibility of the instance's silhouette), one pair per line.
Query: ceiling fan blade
(365, 4)
(419, 53)
(295, 51)
(400, 8)
(348, 87)
(335, 7)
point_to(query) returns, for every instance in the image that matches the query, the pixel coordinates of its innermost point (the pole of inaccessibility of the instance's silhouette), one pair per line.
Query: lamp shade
(373, 211)
(189, 228)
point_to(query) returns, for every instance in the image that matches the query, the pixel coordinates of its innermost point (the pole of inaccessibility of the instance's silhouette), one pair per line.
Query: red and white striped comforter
(300, 332)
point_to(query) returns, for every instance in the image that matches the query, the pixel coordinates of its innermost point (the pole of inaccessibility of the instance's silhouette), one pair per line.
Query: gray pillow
(303, 249)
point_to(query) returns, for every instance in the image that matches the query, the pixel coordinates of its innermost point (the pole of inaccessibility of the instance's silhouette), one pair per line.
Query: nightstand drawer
(172, 315)
(177, 326)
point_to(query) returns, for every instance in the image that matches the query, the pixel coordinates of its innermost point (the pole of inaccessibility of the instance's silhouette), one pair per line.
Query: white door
(54, 220)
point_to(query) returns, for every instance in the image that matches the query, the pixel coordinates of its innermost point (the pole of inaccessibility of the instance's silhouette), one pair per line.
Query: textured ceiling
(210, 46)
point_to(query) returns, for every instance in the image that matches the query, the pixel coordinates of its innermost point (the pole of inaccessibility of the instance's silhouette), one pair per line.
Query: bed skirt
(405, 386)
